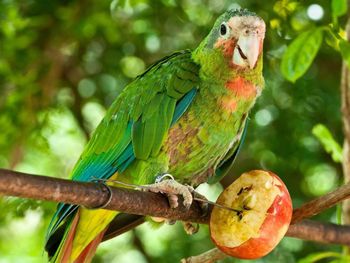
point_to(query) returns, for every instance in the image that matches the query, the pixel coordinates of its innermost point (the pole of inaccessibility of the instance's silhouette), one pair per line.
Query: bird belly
(194, 151)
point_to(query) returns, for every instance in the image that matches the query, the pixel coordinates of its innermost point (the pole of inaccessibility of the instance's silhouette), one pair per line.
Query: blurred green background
(62, 63)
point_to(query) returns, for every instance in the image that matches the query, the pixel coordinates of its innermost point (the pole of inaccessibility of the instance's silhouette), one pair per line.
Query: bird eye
(223, 29)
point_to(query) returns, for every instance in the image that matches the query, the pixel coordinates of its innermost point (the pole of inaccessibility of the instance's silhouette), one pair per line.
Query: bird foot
(171, 188)
(166, 184)
(190, 228)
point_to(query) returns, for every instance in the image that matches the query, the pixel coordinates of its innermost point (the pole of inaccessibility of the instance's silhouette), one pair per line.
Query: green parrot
(184, 116)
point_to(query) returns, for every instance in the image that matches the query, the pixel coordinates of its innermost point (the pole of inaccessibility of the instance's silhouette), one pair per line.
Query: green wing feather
(136, 124)
(141, 115)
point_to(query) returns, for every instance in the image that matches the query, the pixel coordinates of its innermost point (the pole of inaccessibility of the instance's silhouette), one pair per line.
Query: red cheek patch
(242, 88)
(226, 45)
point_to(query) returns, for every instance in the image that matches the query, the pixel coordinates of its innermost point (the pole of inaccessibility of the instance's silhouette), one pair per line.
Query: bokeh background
(63, 62)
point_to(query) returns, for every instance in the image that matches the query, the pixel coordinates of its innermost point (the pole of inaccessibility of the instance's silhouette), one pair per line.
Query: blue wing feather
(183, 104)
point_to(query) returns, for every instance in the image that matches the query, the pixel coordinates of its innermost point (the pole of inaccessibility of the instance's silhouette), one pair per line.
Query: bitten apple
(262, 211)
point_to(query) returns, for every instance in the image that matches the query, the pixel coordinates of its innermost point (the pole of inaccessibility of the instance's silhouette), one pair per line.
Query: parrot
(184, 118)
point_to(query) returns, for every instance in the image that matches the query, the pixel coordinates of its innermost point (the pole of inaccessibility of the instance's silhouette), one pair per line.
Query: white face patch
(243, 25)
(248, 32)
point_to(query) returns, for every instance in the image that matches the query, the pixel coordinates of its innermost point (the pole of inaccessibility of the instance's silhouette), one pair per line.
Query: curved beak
(247, 50)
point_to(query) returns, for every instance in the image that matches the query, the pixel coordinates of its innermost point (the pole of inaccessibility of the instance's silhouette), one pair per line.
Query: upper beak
(247, 50)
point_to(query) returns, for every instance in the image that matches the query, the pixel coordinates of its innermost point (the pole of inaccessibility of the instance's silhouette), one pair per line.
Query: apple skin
(273, 229)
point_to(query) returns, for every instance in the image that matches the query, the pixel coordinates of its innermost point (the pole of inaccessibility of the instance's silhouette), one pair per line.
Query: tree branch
(131, 201)
(93, 195)
(326, 233)
(345, 108)
(322, 203)
(307, 230)
(209, 256)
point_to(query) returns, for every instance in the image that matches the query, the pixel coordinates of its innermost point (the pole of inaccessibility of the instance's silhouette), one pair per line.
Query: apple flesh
(262, 211)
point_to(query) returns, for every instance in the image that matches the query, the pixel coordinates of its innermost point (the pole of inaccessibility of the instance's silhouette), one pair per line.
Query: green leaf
(343, 259)
(339, 7)
(300, 54)
(339, 214)
(332, 38)
(344, 47)
(329, 143)
(318, 256)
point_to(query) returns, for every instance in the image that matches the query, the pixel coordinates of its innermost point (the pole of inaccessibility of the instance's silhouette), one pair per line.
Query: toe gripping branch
(166, 184)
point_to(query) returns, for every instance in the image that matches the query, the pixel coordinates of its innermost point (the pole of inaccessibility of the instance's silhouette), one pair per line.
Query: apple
(260, 216)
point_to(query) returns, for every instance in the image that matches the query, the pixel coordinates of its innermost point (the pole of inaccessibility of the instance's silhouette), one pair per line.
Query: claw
(190, 228)
(173, 201)
(172, 188)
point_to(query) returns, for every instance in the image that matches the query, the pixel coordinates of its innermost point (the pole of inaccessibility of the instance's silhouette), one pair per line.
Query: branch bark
(94, 195)
(307, 230)
(131, 201)
(324, 202)
(345, 108)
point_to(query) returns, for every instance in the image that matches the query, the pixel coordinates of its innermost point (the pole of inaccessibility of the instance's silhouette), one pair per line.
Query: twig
(307, 230)
(207, 257)
(322, 203)
(326, 233)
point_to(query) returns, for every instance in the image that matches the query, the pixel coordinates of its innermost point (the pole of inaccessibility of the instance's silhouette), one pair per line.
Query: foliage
(316, 257)
(328, 142)
(63, 62)
(300, 53)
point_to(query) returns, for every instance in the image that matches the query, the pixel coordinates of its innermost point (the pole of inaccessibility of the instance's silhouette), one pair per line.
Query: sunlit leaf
(344, 47)
(284, 7)
(339, 7)
(315, 257)
(343, 259)
(332, 38)
(329, 143)
(300, 54)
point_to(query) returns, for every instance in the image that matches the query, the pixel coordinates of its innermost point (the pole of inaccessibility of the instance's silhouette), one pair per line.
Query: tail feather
(121, 224)
(63, 247)
(89, 252)
(66, 250)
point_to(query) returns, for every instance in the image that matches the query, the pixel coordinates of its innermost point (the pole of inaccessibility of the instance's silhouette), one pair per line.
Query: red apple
(261, 217)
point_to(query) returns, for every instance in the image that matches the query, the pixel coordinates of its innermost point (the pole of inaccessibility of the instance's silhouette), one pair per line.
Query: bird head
(236, 38)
